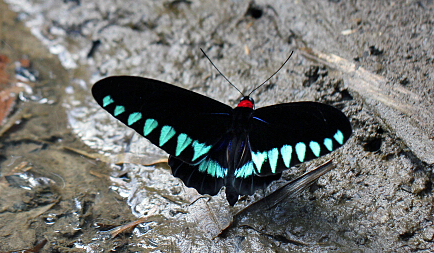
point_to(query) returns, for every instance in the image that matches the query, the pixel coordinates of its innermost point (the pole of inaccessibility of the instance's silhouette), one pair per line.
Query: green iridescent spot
(246, 170)
(182, 143)
(328, 143)
(106, 101)
(300, 150)
(203, 166)
(212, 168)
(315, 147)
(167, 132)
(134, 117)
(258, 159)
(339, 137)
(118, 110)
(286, 152)
(199, 149)
(150, 124)
(273, 155)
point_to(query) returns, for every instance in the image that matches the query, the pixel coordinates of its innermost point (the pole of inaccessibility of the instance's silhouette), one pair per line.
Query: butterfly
(211, 144)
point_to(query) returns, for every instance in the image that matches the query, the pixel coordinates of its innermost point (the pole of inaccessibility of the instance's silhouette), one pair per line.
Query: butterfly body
(213, 145)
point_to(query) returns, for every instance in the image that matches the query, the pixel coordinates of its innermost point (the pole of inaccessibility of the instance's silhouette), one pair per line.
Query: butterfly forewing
(183, 123)
(287, 134)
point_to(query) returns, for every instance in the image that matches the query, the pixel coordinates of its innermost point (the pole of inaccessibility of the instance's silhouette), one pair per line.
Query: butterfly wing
(287, 134)
(183, 123)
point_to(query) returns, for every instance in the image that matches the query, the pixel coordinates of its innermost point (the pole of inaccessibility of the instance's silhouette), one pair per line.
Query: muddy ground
(67, 169)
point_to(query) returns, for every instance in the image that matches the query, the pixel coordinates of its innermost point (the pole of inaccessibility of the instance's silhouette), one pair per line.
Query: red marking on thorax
(245, 103)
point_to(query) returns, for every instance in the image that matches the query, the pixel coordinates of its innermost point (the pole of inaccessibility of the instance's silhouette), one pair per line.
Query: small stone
(428, 234)
(419, 185)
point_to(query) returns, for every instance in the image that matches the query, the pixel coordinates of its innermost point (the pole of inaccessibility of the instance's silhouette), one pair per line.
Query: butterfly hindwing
(192, 176)
(183, 123)
(284, 135)
(215, 171)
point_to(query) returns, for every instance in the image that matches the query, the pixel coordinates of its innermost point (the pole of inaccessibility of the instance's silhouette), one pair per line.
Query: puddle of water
(56, 189)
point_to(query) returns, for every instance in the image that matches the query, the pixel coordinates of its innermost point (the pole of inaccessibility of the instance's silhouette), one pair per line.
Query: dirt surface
(58, 175)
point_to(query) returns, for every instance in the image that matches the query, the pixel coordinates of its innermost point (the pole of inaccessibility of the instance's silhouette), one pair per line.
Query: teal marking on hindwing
(286, 152)
(182, 143)
(300, 150)
(245, 171)
(328, 143)
(134, 117)
(258, 159)
(150, 124)
(118, 110)
(212, 168)
(106, 101)
(167, 132)
(199, 149)
(315, 147)
(273, 155)
(339, 137)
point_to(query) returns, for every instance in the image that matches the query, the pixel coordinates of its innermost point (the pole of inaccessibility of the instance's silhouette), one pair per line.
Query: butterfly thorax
(241, 120)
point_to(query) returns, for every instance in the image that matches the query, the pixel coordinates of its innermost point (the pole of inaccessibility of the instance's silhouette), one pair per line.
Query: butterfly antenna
(272, 74)
(221, 73)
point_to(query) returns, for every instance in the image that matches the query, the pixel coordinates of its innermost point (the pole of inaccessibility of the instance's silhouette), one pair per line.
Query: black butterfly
(213, 145)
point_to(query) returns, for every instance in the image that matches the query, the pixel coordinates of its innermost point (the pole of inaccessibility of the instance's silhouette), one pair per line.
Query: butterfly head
(246, 101)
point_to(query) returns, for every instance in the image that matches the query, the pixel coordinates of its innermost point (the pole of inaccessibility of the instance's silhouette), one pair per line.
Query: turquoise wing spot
(328, 143)
(339, 137)
(300, 150)
(213, 169)
(315, 147)
(273, 155)
(134, 117)
(167, 132)
(150, 124)
(258, 159)
(245, 171)
(286, 152)
(199, 149)
(203, 166)
(106, 101)
(118, 110)
(183, 142)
